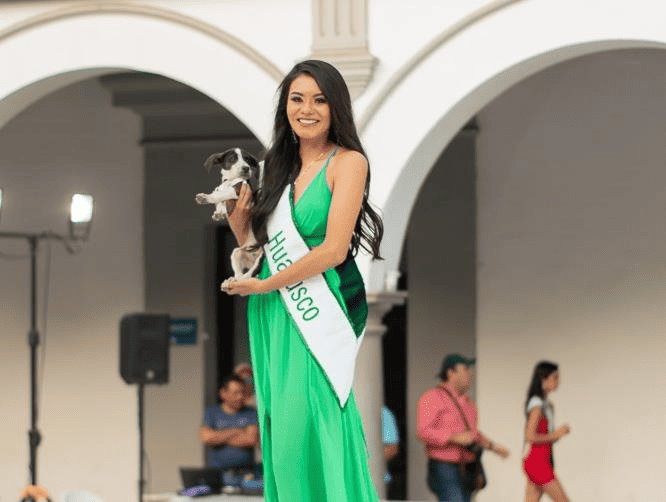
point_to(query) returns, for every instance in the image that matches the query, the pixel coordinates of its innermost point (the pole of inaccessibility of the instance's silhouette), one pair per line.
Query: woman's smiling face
(307, 109)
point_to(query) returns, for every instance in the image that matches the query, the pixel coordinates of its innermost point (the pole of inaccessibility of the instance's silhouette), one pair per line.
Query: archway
(83, 41)
(459, 76)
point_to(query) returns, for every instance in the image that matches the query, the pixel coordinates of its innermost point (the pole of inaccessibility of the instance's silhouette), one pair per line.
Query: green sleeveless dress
(313, 450)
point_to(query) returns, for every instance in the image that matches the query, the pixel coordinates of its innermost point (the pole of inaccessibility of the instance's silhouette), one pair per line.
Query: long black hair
(282, 161)
(542, 370)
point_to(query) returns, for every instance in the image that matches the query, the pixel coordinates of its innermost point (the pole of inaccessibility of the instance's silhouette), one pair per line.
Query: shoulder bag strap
(455, 401)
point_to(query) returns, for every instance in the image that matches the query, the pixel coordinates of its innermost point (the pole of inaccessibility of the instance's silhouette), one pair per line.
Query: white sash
(325, 327)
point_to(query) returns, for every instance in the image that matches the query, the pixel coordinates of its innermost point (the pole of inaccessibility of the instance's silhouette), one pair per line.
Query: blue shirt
(225, 456)
(390, 434)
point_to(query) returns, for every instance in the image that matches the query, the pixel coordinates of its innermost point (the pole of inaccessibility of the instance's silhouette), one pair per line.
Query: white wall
(571, 268)
(73, 140)
(441, 263)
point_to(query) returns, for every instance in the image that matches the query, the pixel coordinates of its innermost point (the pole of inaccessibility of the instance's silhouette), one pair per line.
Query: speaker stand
(140, 410)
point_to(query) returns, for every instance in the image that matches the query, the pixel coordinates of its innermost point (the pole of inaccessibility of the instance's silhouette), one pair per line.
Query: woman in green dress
(307, 310)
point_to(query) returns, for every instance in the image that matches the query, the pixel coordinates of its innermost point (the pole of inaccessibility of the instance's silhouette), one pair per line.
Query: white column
(340, 36)
(369, 381)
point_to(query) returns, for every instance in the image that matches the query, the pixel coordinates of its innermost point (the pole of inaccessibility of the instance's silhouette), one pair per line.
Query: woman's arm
(532, 436)
(239, 219)
(348, 174)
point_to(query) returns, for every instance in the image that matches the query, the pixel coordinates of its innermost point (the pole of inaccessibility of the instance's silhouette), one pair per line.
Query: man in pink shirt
(440, 425)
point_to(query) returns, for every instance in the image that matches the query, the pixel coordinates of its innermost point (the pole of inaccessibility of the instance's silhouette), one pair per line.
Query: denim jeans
(444, 481)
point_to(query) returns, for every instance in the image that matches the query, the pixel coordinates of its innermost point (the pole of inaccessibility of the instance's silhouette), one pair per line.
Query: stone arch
(82, 42)
(418, 114)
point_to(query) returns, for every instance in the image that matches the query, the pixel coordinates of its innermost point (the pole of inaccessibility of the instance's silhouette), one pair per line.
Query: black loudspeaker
(144, 348)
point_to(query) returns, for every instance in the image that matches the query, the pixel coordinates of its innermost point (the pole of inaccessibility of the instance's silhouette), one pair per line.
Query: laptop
(197, 476)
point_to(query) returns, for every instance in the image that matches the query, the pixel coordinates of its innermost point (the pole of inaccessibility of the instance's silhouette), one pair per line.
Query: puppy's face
(234, 163)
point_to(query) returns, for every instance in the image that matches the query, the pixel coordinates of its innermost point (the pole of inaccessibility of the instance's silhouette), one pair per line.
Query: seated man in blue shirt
(230, 429)
(391, 439)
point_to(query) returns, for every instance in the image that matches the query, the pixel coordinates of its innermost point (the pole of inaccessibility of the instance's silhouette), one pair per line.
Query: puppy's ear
(217, 158)
(211, 161)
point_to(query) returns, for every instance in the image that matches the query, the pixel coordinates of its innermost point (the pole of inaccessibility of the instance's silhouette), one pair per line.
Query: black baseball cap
(451, 360)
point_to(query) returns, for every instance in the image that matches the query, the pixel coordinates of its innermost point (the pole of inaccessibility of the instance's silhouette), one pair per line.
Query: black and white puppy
(236, 166)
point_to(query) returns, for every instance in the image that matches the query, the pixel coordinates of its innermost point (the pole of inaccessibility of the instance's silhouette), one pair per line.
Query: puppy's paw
(201, 198)
(225, 284)
(218, 216)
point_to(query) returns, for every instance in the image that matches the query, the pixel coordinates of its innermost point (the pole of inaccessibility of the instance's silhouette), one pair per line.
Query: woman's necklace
(310, 164)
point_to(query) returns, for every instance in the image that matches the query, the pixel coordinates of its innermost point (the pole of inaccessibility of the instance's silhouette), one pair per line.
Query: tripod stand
(34, 436)
(79, 228)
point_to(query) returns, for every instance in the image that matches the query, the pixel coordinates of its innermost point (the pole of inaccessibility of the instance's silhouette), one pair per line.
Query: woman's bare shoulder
(347, 159)
(347, 154)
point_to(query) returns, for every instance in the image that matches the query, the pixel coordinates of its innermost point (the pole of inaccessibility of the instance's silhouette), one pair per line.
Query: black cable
(45, 309)
(148, 477)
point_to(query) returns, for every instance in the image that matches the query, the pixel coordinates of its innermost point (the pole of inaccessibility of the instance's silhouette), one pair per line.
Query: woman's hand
(244, 287)
(239, 218)
(562, 431)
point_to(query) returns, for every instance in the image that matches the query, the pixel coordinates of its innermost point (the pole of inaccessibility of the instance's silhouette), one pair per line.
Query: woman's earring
(294, 138)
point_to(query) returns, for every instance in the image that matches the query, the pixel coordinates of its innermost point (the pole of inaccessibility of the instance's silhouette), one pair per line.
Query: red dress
(538, 463)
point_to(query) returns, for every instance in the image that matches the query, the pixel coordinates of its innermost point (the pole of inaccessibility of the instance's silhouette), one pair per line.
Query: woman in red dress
(540, 433)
